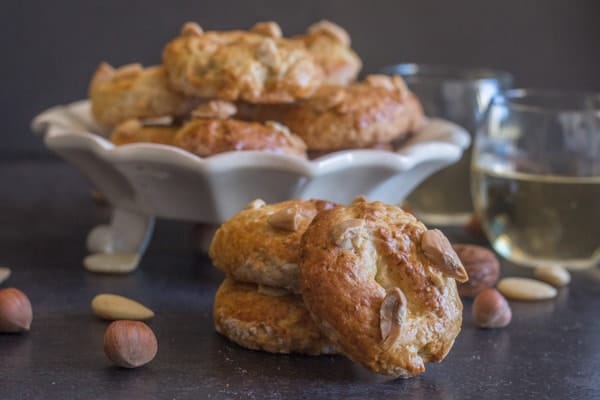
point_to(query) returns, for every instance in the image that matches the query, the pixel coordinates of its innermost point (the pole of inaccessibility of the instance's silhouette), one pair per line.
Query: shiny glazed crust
(132, 91)
(355, 257)
(258, 66)
(277, 323)
(330, 46)
(260, 245)
(206, 137)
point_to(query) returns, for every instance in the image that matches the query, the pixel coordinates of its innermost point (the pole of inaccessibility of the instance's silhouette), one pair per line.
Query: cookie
(258, 66)
(132, 91)
(213, 132)
(260, 318)
(135, 131)
(261, 244)
(378, 110)
(330, 46)
(381, 286)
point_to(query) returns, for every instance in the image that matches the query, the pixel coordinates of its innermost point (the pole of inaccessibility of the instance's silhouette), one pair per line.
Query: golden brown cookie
(261, 243)
(259, 66)
(211, 132)
(378, 110)
(330, 46)
(132, 91)
(135, 131)
(267, 319)
(381, 286)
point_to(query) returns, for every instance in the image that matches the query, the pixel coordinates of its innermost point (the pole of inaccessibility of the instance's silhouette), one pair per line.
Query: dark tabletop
(550, 351)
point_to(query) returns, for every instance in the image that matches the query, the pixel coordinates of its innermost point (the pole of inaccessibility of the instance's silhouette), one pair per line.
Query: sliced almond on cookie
(191, 29)
(391, 315)
(270, 28)
(217, 109)
(345, 232)
(287, 219)
(331, 30)
(255, 204)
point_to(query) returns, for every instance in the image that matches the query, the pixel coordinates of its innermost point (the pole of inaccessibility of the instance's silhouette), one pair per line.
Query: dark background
(50, 48)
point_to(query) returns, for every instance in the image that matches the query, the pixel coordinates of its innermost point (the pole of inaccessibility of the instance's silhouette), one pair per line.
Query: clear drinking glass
(536, 177)
(460, 95)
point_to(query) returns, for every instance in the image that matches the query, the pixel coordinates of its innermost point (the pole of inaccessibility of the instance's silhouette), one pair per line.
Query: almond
(439, 251)
(526, 289)
(115, 263)
(4, 274)
(553, 274)
(113, 307)
(391, 316)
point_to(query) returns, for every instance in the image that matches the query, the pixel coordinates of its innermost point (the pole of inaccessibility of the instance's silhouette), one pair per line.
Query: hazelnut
(491, 310)
(483, 268)
(15, 311)
(130, 344)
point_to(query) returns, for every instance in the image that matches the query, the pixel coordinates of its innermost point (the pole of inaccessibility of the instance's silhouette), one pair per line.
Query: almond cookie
(259, 66)
(330, 46)
(135, 131)
(381, 286)
(132, 91)
(261, 243)
(212, 132)
(267, 319)
(377, 110)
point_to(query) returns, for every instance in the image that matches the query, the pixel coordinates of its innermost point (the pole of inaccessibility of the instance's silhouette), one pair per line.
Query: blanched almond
(115, 263)
(4, 274)
(114, 307)
(553, 274)
(526, 289)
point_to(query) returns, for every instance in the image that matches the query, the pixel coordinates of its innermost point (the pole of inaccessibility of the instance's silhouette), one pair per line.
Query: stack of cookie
(366, 280)
(219, 91)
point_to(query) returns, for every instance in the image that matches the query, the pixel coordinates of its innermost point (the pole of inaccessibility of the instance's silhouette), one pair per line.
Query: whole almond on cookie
(439, 251)
(482, 266)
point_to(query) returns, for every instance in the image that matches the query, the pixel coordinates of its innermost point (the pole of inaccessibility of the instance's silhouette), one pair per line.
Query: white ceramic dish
(143, 181)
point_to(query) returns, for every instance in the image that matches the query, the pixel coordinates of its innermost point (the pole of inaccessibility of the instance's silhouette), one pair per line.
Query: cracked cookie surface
(374, 292)
(258, 66)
